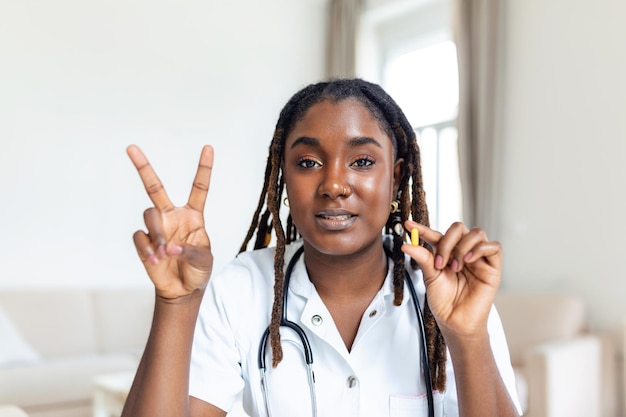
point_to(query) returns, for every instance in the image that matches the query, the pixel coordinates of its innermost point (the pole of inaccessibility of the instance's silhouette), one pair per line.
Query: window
(407, 47)
(424, 82)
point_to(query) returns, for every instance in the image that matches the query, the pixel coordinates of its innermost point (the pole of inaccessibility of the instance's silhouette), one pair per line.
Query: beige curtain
(343, 23)
(476, 30)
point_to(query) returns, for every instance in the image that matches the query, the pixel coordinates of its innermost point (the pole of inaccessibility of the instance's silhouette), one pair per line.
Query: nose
(334, 182)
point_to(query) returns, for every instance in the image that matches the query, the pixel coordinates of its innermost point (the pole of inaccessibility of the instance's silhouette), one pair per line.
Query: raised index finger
(150, 180)
(430, 236)
(200, 188)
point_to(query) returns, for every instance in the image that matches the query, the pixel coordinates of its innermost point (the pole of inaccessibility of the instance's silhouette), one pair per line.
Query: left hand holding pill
(462, 275)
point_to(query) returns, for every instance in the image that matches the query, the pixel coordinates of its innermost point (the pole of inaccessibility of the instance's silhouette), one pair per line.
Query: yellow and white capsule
(415, 237)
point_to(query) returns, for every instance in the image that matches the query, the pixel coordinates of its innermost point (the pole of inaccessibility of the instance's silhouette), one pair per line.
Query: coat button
(352, 382)
(373, 313)
(317, 320)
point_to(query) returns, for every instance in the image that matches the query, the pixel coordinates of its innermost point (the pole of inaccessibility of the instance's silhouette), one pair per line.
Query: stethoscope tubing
(308, 352)
(425, 362)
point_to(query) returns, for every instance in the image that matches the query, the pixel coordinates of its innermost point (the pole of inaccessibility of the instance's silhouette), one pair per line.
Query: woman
(345, 161)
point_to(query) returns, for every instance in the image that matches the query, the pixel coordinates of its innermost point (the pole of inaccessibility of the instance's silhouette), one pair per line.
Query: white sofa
(562, 370)
(11, 411)
(74, 335)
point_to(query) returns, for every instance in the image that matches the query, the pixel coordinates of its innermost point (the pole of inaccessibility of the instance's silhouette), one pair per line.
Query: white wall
(79, 81)
(564, 199)
(564, 181)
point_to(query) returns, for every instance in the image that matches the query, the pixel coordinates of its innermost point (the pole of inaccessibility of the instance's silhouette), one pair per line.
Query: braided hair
(411, 198)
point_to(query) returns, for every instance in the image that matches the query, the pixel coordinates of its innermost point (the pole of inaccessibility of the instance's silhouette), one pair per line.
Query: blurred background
(81, 80)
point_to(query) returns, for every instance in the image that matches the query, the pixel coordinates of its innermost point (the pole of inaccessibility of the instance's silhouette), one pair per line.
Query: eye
(363, 162)
(308, 163)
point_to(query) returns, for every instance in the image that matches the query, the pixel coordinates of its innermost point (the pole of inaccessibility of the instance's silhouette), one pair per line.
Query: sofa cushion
(56, 322)
(11, 411)
(531, 319)
(14, 350)
(58, 381)
(123, 318)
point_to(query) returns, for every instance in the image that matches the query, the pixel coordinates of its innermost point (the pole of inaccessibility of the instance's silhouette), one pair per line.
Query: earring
(286, 201)
(396, 220)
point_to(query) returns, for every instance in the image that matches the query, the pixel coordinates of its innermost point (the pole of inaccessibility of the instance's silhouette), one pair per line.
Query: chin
(342, 244)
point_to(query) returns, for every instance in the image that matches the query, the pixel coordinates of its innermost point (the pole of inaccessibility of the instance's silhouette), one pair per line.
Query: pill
(415, 237)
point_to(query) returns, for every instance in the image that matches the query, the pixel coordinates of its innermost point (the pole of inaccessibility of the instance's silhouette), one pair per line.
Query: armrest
(11, 411)
(564, 378)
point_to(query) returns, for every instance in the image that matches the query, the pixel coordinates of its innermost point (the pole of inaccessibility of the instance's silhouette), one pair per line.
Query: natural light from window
(424, 83)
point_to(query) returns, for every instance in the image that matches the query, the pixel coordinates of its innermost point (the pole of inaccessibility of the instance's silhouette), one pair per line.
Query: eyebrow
(353, 143)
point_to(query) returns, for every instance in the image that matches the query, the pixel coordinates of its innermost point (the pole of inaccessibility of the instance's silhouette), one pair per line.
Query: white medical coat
(381, 375)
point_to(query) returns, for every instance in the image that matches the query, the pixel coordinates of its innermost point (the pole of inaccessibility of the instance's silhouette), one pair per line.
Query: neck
(348, 276)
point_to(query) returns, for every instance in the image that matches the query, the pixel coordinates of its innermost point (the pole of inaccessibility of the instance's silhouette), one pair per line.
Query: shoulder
(255, 267)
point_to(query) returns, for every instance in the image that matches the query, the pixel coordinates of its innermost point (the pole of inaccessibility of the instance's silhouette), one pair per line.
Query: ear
(398, 174)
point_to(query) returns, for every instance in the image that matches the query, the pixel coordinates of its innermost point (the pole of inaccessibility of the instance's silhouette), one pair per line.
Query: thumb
(425, 260)
(199, 257)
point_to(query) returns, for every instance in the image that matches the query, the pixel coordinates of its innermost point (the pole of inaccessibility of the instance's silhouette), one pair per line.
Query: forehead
(348, 118)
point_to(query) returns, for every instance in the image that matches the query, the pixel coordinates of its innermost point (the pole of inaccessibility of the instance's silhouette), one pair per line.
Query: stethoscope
(308, 354)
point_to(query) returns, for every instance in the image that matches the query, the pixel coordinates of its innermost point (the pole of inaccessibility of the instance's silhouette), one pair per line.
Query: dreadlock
(411, 196)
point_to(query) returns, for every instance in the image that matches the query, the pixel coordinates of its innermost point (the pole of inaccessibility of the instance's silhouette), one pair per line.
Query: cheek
(296, 199)
(377, 187)
(297, 190)
(299, 195)
(377, 195)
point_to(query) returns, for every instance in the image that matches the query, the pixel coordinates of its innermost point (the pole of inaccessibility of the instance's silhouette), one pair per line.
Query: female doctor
(341, 317)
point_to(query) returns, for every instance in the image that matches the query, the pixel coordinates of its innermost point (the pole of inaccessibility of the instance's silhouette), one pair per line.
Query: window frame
(390, 29)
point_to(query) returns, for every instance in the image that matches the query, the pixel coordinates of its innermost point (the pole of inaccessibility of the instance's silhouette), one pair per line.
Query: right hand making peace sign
(176, 250)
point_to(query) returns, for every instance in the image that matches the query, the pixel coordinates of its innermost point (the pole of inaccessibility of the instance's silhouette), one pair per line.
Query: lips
(335, 220)
(340, 217)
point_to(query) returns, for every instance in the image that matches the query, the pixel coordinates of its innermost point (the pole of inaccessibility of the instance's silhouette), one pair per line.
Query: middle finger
(458, 243)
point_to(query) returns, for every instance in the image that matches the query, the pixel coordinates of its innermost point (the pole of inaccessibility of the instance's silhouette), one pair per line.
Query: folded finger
(443, 244)
(464, 246)
(154, 223)
(145, 249)
(490, 251)
(202, 181)
(150, 180)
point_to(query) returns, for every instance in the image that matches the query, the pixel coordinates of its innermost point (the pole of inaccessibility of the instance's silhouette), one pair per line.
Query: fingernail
(153, 259)
(175, 249)
(467, 257)
(161, 250)
(439, 262)
(454, 265)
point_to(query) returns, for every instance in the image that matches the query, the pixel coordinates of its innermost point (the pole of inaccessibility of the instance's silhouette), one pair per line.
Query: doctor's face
(340, 177)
